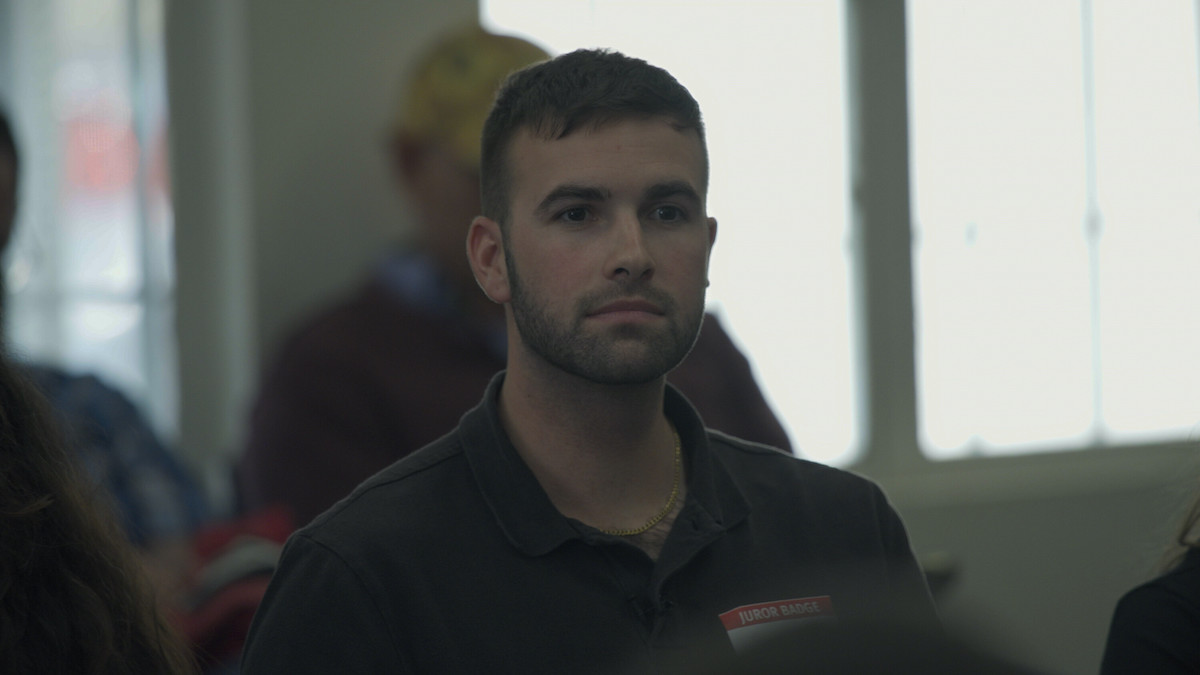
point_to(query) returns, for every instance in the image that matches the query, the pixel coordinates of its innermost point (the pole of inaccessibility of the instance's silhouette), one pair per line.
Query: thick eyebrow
(573, 192)
(674, 188)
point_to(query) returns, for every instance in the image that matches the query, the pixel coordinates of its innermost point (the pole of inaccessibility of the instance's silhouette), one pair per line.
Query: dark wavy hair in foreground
(73, 597)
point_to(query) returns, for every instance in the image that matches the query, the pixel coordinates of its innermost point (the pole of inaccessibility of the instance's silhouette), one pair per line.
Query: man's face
(607, 248)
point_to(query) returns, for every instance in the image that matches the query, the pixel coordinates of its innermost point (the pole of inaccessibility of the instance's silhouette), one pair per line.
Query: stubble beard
(623, 355)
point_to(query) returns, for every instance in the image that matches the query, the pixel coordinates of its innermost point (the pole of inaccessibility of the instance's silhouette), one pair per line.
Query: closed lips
(629, 306)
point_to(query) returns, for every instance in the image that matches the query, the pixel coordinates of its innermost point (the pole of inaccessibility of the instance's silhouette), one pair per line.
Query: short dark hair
(584, 87)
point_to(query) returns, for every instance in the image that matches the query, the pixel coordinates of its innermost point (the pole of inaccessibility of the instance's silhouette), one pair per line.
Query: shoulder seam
(745, 445)
(362, 584)
(455, 449)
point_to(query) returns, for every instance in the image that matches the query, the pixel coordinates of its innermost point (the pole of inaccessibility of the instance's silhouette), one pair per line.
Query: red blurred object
(101, 154)
(235, 560)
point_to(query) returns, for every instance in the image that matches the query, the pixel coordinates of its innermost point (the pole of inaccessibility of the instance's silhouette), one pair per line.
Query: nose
(630, 256)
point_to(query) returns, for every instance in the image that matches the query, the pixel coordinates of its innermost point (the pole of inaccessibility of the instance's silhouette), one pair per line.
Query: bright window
(768, 77)
(1056, 182)
(89, 273)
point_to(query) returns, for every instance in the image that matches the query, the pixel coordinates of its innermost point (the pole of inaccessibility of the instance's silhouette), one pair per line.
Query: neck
(604, 454)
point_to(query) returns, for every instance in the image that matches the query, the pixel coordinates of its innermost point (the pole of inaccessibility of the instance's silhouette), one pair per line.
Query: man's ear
(485, 251)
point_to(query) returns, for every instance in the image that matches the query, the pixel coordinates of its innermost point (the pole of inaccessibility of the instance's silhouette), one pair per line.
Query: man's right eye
(577, 214)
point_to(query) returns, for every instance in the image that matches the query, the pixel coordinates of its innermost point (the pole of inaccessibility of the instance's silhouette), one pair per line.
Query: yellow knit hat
(452, 89)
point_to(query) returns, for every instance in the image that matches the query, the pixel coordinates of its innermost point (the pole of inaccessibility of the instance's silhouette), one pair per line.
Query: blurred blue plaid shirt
(152, 492)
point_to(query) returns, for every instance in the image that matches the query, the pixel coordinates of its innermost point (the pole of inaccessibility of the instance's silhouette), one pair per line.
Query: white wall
(282, 199)
(1039, 575)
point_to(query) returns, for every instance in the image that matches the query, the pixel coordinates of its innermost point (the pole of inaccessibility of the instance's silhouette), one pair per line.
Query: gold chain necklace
(657, 518)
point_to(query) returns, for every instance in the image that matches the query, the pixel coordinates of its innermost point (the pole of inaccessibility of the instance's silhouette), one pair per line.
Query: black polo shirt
(454, 560)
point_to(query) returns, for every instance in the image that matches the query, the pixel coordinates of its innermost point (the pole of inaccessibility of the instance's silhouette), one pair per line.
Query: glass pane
(780, 269)
(30, 261)
(1148, 180)
(98, 244)
(999, 196)
(108, 338)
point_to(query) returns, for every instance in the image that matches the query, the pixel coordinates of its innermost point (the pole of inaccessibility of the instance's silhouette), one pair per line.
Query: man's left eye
(668, 213)
(577, 214)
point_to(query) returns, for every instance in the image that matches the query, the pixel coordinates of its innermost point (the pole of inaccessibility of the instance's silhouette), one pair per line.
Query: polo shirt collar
(524, 510)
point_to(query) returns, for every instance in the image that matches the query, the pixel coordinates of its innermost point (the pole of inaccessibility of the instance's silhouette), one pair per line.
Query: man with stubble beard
(582, 519)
